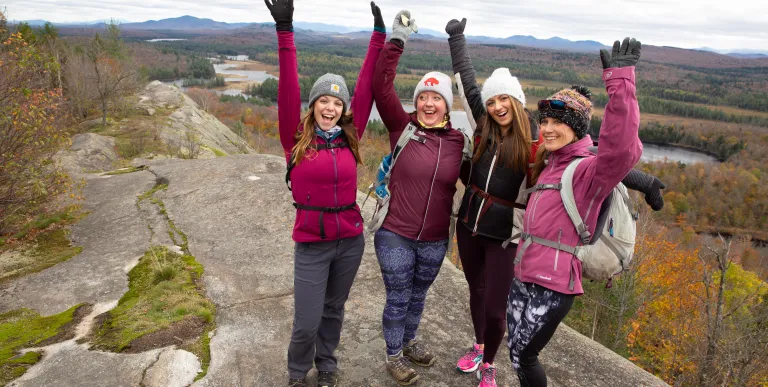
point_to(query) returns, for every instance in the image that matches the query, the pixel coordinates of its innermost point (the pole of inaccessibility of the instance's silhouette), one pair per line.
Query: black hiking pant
(489, 270)
(322, 277)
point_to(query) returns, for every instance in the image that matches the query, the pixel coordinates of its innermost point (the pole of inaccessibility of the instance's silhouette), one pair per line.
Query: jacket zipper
(335, 191)
(429, 198)
(487, 184)
(557, 251)
(305, 212)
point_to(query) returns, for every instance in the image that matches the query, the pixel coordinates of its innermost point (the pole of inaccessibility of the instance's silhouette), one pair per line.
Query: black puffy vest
(504, 184)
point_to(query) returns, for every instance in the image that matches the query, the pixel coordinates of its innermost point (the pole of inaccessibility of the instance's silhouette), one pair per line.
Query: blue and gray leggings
(408, 267)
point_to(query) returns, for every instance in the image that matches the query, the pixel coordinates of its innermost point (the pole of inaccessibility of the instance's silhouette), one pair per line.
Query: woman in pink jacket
(548, 279)
(321, 150)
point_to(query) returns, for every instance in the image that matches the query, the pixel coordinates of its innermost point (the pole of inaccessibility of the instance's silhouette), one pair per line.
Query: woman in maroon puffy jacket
(321, 149)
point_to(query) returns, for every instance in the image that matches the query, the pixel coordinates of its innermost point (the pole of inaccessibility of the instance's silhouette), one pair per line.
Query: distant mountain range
(738, 53)
(554, 43)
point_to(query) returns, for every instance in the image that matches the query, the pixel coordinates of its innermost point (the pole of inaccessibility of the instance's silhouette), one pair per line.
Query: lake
(164, 40)
(651, 152)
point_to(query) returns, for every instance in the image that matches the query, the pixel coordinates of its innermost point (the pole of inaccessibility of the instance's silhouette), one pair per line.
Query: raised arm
(393, 115)
(619, 148)
(288, 93)
(463, 65)
(362, 102)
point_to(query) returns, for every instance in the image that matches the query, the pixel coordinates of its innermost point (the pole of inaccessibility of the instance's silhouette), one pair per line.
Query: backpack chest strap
(528, 239)
(542, 187)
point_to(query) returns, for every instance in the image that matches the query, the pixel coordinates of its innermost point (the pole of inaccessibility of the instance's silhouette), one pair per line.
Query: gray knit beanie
(333, 85)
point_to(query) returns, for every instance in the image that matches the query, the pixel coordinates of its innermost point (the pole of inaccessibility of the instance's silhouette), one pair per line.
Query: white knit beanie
(437, 82)
(502, 82)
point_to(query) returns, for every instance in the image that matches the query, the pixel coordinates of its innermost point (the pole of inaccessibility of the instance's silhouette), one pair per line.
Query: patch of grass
(24, 328)
(202, 349)
(163, 289)
(131, 169)
(217, 152)
(148, 194)
(47, 249)
(66, 216)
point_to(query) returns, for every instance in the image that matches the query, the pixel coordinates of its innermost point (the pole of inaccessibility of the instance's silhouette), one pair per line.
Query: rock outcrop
(238, 217)
(188, 123)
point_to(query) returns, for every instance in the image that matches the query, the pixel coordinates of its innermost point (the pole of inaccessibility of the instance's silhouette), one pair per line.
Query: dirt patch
(67, 331)
(98, 321)
(179, 333)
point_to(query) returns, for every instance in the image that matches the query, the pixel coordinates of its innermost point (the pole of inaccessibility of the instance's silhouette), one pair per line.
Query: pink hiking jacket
(326, 178)
(545, 216)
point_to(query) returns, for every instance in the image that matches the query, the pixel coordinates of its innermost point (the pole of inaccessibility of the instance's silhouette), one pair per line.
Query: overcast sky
(718, 24)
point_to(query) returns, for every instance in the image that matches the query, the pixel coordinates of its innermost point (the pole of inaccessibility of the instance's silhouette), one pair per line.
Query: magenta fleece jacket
(545, 216)
(326, 178)
(424, 178)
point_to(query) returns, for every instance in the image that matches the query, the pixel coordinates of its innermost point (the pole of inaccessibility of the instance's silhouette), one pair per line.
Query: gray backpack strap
(382, 205)
(569, 201)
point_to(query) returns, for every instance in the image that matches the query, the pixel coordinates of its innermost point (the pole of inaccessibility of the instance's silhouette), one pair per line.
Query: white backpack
(609, 250)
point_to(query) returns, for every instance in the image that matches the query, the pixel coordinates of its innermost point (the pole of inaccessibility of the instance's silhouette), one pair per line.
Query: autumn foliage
(31, 129)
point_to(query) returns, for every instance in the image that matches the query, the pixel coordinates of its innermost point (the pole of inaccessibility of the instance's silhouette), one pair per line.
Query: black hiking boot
(326, 379)
(297, 383)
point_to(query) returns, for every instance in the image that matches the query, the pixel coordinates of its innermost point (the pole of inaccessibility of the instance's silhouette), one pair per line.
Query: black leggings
(533, 314)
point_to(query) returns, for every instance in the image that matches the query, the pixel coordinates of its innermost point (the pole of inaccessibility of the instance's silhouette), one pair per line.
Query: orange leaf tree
(31, 129)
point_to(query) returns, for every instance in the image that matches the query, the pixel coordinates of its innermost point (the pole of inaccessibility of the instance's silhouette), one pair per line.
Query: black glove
(282, 12)
(654, 198)
(622, 56)
(455, 27)
(378, 22)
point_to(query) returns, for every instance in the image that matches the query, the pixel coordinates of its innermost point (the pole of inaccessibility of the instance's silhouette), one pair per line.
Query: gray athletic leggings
(322, 276)
(533, 314)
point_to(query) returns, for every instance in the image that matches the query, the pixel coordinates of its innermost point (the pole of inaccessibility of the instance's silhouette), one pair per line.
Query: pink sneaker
(487, 376)
(471, 360)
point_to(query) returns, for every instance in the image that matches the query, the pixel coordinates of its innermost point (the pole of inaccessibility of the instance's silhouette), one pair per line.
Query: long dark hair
(515, 146)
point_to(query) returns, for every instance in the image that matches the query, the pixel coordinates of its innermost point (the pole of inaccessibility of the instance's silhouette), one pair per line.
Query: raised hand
(403, 26)
(282, 13)
(455, 27)
(654, 198)
(378, 22)
(622, 56)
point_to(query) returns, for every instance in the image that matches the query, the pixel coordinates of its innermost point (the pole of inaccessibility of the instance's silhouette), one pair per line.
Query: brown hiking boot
(418, 354)
(401, 370)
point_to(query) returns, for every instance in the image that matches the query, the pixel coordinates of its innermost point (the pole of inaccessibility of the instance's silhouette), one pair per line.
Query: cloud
(684, 23)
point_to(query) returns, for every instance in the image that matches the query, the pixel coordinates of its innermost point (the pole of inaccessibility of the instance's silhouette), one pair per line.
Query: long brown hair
(515, 146)
(306, 136)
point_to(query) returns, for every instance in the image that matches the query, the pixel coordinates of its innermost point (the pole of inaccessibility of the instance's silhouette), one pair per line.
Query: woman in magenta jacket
(321, 149)
(547, 279)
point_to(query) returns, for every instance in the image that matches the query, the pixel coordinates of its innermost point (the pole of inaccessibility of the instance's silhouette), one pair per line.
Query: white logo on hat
(335, 88)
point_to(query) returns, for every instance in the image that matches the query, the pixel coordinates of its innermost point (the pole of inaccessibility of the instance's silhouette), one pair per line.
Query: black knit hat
(572, 106)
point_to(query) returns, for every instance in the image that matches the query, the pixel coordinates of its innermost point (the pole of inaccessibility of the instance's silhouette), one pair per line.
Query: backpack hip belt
(323, 210)
(489, 199)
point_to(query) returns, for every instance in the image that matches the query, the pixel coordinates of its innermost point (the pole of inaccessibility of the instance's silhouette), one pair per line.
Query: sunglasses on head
(552, 104)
